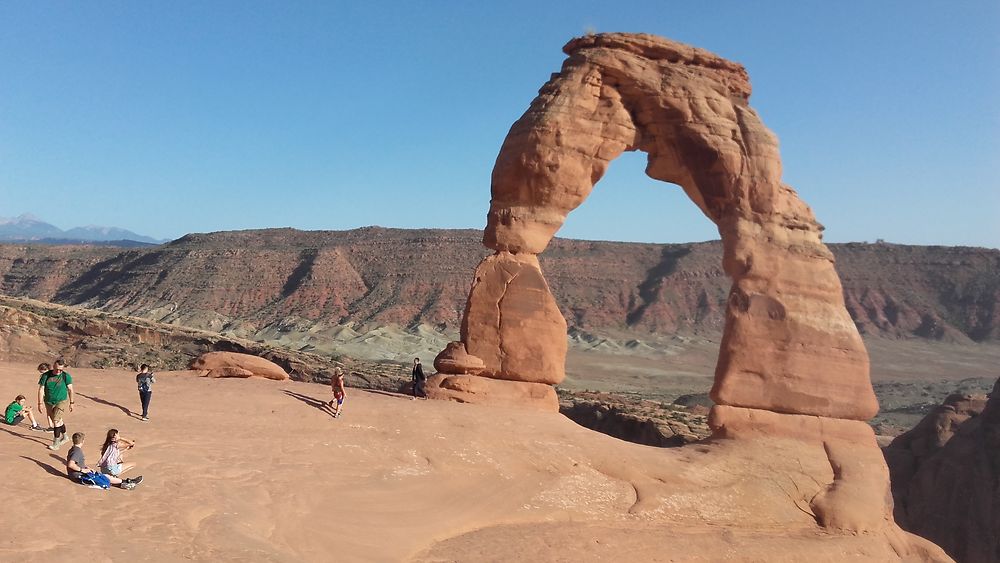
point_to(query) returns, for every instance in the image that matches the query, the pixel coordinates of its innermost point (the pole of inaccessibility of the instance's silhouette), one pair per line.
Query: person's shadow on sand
(311, 401)
(48, 468)
(107, 403)
(24, 436)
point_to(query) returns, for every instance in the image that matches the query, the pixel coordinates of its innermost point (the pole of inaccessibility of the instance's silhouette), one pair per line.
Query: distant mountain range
(27, 227)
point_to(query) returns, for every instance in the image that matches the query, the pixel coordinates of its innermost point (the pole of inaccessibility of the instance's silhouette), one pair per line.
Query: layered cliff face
(935, 292)
(400, 277)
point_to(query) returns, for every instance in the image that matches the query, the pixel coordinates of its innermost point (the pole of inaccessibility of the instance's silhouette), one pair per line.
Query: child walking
(337, 383)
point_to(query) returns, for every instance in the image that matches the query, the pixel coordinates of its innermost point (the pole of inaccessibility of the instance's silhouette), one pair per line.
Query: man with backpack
(145, 380)
(55, 396)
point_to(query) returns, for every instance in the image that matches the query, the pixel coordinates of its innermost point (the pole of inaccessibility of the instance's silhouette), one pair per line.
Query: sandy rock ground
(256, 470)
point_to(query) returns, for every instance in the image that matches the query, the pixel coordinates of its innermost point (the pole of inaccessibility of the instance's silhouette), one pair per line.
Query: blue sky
(175, 117)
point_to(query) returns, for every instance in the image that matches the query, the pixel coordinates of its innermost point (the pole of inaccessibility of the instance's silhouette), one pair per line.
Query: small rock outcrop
(455, 359)
(232, 364)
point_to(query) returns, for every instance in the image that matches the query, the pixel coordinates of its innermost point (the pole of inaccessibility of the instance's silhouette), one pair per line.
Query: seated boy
(76, 466)
(16, 412)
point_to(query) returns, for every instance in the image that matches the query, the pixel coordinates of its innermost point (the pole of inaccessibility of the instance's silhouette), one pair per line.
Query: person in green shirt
(42, 368)
(16, 412)
(55, 395)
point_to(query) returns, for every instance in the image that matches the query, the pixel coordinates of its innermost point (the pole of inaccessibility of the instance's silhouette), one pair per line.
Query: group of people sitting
(56, 398)
(111, 466)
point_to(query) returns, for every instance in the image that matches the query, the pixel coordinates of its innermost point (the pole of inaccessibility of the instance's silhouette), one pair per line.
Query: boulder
(454, 359)
(232, 364)
(229, 371)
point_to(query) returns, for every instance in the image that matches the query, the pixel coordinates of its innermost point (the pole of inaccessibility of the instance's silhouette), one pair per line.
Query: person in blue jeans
(145, 380)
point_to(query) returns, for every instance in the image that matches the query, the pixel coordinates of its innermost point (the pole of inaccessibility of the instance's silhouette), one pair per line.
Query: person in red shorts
(339, 392)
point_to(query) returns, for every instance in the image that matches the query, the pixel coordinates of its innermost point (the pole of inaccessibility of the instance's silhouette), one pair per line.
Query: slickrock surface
(789, 344)
(945, 475)
(253, 470)
(232, 364)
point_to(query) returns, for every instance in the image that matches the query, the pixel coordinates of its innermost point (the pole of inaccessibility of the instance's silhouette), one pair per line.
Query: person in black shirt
(419, 380)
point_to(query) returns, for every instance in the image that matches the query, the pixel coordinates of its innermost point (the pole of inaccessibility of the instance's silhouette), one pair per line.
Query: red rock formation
(789, 344)
(910, 450)
(232, 364)
(455, 359)
(945, 475)
(792, 370)
(512, 321)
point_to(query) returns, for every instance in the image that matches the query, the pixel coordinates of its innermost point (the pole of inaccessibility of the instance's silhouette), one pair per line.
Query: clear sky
(175, 117)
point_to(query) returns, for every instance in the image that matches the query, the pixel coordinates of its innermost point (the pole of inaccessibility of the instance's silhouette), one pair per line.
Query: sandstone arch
(789, 344)
(791, 384)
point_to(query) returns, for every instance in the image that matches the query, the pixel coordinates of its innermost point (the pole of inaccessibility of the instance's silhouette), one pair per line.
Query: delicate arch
(789, 344)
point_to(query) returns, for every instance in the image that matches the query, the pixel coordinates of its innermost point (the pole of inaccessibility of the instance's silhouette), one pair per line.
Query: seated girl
(112, 462)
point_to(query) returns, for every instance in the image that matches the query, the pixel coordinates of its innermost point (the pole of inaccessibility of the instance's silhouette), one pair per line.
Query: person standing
(339, 393)
(419, 379)
(42, 368)
(145, 380)
(55, 395)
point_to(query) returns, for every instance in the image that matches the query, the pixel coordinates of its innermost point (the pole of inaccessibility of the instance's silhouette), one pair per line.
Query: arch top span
(789, 344)
(655, 48)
